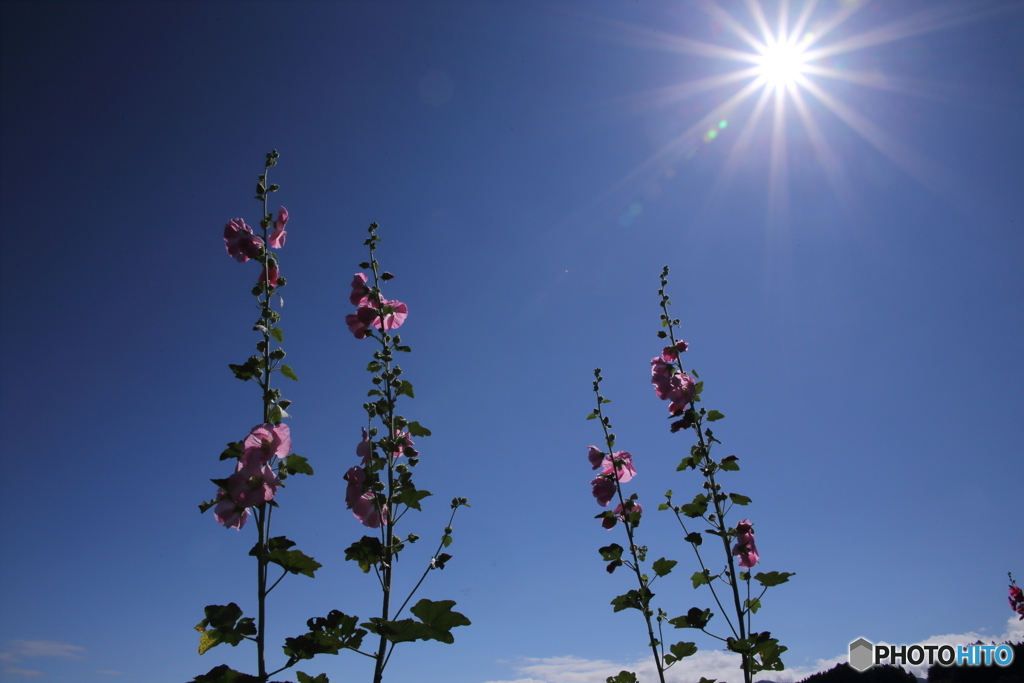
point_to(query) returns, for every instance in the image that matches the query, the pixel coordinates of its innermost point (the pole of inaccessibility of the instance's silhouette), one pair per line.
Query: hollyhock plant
(228, 513)
(745, 548)
(262, 461)
(269, 440)
(364, 448)
(360, 292)
(277, 237)
(274, 274)
(239, 241)
(620, 513)
(603, 490)
(381, 491)
(254, 482)
(669, 385)
(1016, 598)
(758, 651)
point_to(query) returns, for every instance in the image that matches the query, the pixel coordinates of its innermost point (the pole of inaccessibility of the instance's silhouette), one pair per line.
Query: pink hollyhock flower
(620, 463)
(671, 353)
(363, 449)
(405, 446)
(364, 505)
(228, 513)
(274, 274)
(360, 291)
(595, 456)
(393, 320)
(604, 490)
(359, 322)
(278, 236)
(269, 440)
(254, 482)
(669, 385)
(241, 244)
(621, 512)
(745, 548)
(1016, 599)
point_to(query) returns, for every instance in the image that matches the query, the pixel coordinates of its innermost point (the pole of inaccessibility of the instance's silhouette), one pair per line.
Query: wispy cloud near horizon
(715, 664)
(15, 650)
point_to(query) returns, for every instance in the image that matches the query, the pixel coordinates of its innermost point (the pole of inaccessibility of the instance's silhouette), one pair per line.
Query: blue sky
(850, 283)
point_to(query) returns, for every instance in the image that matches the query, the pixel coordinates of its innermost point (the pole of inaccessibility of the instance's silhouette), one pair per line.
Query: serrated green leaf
(439, 619)
(235, 449)
(287, 371)
(278, 334)
(412, 498)
(752, 605)
(416, 429)
(406, 388)
(699, 578)
(224, 674)
(729, 463)
(662, 567)
(773, 578)
(592, 416)
(303, 677)
(738, 499)
(296, 464)
(295, 561)
(683, 649)
(714, 415)
(623, 677)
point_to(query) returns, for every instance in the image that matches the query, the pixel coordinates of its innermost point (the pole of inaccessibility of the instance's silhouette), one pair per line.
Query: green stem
(644, 590)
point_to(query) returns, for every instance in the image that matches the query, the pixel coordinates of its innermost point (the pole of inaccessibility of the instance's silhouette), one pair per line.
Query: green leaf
(773, 578)
(416, 429)
(592, 416)
(235, 449)
(412, 498)
(207, 504)
(405, 388)
(367, 551)
(662, 567)
(634, 599)
(327, 635)
(306, 678)
(223, 629)
(374, 366)
(278, 334)
(700, 577)
(296, 464)
(729, 464)
(224, 674)
(714, 415)
(287, 371)
(439, 619)
(738, 499)
(446, 540)
(295, 561)
(694, 618)
(752, 605)
(694, 537)
(623, 677)
(680, 650)
(611, 552)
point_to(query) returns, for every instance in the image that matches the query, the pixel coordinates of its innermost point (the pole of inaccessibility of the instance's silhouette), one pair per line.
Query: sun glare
(781, 64)
(787, 66)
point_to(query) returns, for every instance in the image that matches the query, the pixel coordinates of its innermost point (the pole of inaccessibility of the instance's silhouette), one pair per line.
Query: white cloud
(42, 648)
(717, 664)
(21, 673)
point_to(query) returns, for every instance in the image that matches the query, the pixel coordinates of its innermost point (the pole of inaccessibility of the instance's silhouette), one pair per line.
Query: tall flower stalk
(758, 651)
(380, 489)
(263, 460)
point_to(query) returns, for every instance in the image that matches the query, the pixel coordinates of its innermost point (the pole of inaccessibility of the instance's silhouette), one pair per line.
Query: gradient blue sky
(851, 286)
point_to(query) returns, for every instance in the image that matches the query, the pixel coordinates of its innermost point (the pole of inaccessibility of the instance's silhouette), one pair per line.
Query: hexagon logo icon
(861, 655)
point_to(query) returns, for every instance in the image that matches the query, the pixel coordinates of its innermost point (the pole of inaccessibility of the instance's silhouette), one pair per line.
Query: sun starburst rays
(787, 60)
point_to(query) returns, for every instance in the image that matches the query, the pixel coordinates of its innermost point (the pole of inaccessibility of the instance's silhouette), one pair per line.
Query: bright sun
(781, 64)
